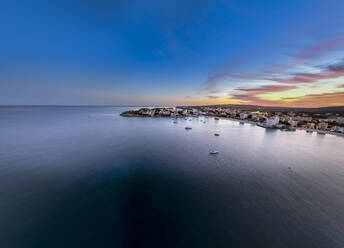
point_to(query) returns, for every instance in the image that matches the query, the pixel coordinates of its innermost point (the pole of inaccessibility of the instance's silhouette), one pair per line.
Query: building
(322, 125)
(293, 123)
(335, 129)
(310, 125)
(243, 116)
(272, 121)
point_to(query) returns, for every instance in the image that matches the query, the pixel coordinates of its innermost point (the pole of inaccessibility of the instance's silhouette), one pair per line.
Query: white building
(293, 123)
(272, 121)
(195, 111)
(243, 116)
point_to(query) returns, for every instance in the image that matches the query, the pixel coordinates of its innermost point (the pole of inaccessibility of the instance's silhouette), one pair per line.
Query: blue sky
(172, 52)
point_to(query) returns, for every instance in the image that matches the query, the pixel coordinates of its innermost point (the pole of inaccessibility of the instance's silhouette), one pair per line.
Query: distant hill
(322, 110)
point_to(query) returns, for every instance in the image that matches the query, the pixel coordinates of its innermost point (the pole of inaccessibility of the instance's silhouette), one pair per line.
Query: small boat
(217, 118)
(216, 134)
(261, 125)
(213, 152)
(321, 132)
(175, 122)
(188, 128)
(242, 123)
(309, 131)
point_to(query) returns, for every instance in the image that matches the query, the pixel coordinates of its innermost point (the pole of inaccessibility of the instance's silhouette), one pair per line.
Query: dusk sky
(192, 52)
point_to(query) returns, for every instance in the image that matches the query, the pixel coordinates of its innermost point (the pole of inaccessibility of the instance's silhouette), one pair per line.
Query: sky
(180, 52)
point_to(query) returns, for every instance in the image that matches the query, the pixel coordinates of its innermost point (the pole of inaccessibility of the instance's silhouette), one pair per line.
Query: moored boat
(213, 152)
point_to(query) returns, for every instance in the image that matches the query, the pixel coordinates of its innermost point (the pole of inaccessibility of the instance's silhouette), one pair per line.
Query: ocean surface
(87, 177)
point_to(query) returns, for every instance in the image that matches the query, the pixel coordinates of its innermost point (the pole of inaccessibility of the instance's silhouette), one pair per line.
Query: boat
(213, 152)
(309, 131)
(188, 128)
(242, 123)
(216, 118)
(261, 125)
(175, 122)
(321, 132)
(216, 134)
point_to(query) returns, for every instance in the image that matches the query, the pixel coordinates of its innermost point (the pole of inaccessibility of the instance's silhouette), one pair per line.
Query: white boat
(321, 132)
(213, 152)
(188, 128)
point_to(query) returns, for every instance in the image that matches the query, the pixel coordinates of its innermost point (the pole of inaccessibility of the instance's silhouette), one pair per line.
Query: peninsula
(323, 120)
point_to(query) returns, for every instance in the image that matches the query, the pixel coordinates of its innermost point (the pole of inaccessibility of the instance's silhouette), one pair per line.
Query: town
(322, 122)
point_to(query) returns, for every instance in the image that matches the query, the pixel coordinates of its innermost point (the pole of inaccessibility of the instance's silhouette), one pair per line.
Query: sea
(84, 176)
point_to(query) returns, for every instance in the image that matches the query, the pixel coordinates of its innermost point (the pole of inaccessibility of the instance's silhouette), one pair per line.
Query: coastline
(270, 120)
(296, 128)
(258, 124)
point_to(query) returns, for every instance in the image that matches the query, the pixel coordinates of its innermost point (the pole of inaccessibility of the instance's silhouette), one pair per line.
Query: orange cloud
(311, 77)
(252, 95)
(319, 100)
(268, 88)
(302, 84)
(255, 96)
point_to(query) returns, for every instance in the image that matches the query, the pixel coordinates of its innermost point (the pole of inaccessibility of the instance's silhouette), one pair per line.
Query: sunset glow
(173, 53)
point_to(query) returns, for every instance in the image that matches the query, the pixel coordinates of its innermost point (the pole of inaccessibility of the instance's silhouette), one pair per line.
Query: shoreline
(217, 115)
(244, 122)
(281, 129)
(274, 128)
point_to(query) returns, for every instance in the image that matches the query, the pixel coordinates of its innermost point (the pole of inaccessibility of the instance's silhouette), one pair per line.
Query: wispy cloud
(224, 71)
(213, 97)
(334, 70)
(267, 89)
(320, 48)
(279, 72)
(306, 71)
(319, 100)
(253, 95)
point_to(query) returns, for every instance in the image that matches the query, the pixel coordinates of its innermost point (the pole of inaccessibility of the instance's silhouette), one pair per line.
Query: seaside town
(322, 123)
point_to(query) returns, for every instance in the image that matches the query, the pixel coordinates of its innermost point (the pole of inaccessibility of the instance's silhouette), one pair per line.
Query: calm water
(86, 177)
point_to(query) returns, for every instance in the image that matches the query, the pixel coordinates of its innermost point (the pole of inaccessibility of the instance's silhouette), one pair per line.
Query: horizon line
(160, 105)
